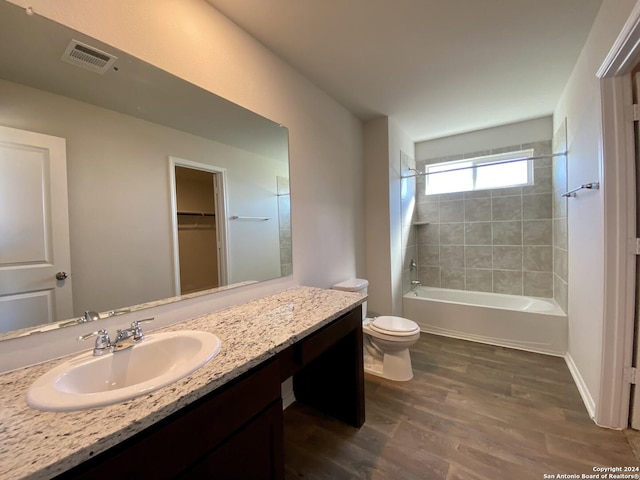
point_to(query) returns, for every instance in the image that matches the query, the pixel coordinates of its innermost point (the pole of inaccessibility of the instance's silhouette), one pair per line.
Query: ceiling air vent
(82, 55)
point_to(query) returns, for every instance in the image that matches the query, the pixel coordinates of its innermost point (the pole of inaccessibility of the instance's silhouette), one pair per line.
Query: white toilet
(386, 339)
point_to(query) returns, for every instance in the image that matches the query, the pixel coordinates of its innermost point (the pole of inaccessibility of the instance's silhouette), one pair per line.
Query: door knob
(61, 275)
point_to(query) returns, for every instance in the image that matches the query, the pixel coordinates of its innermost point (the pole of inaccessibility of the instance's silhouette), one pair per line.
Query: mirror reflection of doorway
(198, 228)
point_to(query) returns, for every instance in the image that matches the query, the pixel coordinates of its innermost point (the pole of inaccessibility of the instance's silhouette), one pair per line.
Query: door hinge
(632, 113)
(636, 247)
(630, 374)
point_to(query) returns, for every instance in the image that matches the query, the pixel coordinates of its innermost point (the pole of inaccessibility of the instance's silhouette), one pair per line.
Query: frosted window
(492, 171)
(449, 177)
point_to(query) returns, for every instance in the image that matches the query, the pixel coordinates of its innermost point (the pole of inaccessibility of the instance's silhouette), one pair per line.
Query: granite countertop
(41, 445)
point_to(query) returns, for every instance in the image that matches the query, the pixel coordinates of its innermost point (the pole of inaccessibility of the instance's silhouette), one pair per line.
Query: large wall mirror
(170, 190)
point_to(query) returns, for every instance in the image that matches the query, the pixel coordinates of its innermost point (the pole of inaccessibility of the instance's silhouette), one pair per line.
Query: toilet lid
(394, 325)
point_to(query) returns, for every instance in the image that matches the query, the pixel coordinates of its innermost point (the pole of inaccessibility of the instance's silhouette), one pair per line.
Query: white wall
(254, 249)
(383, 141)
(398, 141)
(378, 243)
(518, 133)
(325, 139)
(580, 104)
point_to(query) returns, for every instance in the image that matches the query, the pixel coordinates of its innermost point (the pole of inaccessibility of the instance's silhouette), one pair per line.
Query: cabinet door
(252, 453)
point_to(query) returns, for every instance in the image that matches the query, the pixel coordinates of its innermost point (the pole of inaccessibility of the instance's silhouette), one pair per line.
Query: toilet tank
(357, 285)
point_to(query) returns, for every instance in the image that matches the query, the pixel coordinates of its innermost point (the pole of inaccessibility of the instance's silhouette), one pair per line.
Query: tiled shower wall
(408, 205)
(492, 240)
(560, 237)
(284, 229)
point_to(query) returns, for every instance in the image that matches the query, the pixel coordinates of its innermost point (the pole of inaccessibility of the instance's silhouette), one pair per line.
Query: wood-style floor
(472, 412)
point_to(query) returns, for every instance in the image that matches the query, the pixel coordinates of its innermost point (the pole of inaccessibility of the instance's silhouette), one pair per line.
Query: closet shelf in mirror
(197, 214)
(196, 227)
(196, 220)
(420, 223)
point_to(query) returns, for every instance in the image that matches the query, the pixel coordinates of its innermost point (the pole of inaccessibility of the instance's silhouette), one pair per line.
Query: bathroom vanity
(224, 420)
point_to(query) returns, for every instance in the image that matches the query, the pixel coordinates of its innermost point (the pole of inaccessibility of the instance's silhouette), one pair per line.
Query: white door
(635, 392)
(34, 230)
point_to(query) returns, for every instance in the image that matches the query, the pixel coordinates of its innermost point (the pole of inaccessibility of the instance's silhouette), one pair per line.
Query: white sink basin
(88, 381)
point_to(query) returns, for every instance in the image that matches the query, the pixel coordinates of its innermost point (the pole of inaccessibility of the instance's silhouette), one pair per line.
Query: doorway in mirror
(199, 224)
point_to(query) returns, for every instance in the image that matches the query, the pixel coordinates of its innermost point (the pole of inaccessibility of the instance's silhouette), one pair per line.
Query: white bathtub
(527, 323)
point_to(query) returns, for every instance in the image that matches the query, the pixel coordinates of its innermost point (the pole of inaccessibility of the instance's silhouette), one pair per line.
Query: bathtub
(527, 323)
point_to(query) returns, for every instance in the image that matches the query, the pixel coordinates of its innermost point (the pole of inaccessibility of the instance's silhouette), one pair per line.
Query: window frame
(478, 162)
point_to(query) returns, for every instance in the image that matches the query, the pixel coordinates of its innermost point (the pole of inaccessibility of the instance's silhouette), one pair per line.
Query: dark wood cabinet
(253, 452)
(327, 369)
(189, 436)
(236, 431)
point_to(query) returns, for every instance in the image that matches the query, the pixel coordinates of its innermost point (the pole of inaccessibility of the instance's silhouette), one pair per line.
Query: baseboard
(288, 395)
(288, 400)
(582, 386)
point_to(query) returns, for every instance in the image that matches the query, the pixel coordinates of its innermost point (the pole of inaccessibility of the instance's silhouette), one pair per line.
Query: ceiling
(437, 67)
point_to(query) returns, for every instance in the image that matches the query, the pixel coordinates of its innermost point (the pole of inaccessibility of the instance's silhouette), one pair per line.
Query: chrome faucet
(125, 338)
(103, 342)
(413, 267)
(89, 316)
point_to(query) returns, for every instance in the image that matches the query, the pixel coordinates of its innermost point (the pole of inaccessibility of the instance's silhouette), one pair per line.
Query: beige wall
(378, 221)
(398, 142)
(384, 141)
(580, 104)
(325, 139)
(487, 139)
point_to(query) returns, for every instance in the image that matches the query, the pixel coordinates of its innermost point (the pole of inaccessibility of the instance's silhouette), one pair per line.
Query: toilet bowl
(386, 339)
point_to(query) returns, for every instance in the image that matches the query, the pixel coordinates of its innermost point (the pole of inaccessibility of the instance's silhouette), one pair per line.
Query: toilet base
(395, 366)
